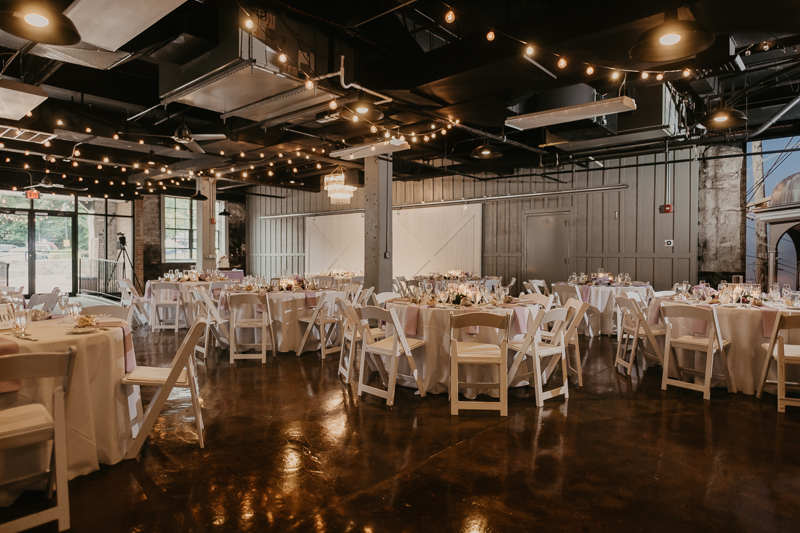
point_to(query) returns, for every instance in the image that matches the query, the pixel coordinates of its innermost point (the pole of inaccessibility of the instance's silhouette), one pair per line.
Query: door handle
(26, 256)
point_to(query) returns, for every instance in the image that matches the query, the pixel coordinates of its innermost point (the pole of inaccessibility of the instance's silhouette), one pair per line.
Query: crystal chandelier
(338, 192)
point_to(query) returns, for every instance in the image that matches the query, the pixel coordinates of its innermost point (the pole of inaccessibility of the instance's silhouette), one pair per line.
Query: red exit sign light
(666, 208)
(32, 194)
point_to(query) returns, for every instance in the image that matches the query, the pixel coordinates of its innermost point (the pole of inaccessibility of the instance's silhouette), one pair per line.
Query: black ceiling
(435, 72)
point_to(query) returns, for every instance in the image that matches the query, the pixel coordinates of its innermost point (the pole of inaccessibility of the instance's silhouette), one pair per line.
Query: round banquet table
(601, 299)
(99, 409)
(286, 308)
(433, 360)
(745, 328)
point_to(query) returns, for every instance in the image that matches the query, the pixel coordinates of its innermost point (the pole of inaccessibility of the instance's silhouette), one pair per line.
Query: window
(180, 230)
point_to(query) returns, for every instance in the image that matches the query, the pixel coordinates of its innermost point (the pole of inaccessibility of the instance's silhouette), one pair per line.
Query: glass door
(52, 254)
(14, 249)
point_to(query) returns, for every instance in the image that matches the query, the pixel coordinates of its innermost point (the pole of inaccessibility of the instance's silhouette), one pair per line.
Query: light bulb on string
(645, 75)
(282, 58)
(686, 73)
(373, 128)
(615, 75)
(590, 70)
(490, 35)
(660, 76)
(562, 63)
(450, 17)
(529, 50)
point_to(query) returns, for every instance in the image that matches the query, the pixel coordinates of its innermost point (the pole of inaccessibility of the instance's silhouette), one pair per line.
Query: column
(378, 223)
(205, 245)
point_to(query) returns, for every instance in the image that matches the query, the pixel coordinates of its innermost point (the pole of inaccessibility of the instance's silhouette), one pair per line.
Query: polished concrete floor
(289, 447)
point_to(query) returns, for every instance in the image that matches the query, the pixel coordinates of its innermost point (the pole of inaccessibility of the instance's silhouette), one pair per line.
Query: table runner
(9, 347)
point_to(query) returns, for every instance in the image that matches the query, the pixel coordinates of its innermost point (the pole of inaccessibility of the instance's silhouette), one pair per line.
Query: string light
(615, 75)
(373, 128)
(645, 75)
(248, 24)
(590, 70)
(282, 58)
(686, 73)
(116, 137)
(60, 122)
(660, 76)
(309, 85)
(333, 104)
(529, 50)
(141, 141)
(490, 35)
(386, 134)
(105, 160)
(450, 17)
(562, 63)
(88, 130)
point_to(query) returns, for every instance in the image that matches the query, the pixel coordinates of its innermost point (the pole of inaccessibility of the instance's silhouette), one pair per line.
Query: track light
(485, 151)
(672, 40)
(723, 118)
(35, 21)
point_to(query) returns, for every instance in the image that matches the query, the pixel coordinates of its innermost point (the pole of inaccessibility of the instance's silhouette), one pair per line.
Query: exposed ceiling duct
(589, 110)
(19, 99)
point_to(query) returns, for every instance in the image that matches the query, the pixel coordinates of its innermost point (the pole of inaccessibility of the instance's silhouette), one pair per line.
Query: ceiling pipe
(776, 117)
(500, 138)
(384, 99)
(463, 201)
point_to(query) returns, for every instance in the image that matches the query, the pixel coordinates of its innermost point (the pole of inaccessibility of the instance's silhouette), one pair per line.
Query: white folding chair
(565, 292)
(710, 343)
(322, 317)
(352, 332)
(131, 298)
(787, 354)
(545, 302)
(180, 373)
(363, 298)
(217, 324)
(479, 353)
(352, 292)
(540, 286)
(46, 301)
(634, 295)
(31, 423)
(635, 328)
(165, 297)
(533, 349)
(240, 304)
(325, 282)
(381, 298)
(571, 338)
(374, 353)
(114, 311)
(216, 287)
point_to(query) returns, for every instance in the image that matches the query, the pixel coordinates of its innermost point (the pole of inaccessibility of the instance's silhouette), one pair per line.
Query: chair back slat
(545, 302)
(37, 365)
(580, 309)
(491, 320)
(687, 311)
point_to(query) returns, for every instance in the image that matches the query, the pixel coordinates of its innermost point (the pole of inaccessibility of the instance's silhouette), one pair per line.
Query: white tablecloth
(286, 308)
(99, 408)
(601, 299)
(743, 327)
(433, 360)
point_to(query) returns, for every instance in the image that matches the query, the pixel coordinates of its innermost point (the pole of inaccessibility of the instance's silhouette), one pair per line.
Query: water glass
(697, 293)
(737, 280)
(63, 300)
(786, 289)
(21, 320)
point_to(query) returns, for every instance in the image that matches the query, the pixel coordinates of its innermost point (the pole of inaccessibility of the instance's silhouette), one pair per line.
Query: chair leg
(781, 382)
(764, 374)
(537, 377)
(234, 348)
(392, 381)
(667, 358)
(62, 489)
(305, 338)
(416, 374)
(198, 414)
(503, 390)
(274, 342)
(707, 377)
(263, 345)
(453, 393)
(578, 363)
(363, 363)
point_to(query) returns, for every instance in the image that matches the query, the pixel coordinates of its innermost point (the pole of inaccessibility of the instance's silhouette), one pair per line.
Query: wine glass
(21, 321)
(63, 300)
(697, 293)
(786, 289)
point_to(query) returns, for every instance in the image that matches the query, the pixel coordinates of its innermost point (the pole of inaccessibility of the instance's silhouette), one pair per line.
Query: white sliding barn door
(335, 241)
(437, 239)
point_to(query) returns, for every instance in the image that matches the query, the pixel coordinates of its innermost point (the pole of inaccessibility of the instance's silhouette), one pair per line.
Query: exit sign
(32, 194)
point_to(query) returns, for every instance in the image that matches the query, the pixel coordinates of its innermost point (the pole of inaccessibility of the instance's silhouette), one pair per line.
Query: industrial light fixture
(200, 197)
(37, 22)
(671, 40)
(723, 118)
(224, 213)
(363, 109)
(485, 151)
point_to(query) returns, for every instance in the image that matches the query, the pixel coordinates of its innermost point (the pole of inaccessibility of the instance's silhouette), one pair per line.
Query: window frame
(221, 226)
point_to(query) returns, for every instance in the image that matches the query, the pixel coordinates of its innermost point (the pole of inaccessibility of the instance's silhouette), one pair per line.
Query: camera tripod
(123, 254)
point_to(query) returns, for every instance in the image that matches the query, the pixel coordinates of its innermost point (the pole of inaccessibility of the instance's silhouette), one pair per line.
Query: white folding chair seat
(180, 373)
(635, 328)
(478, 353)
(712, 343)
(392, 349)
(238, 303)
(33, 423)
(165, 297)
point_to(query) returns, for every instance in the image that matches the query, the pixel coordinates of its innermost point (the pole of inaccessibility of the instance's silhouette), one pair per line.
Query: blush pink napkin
(411, 319)
(9, 347)
(311, 299)
(768, 316)
(700, 326)
(519, 317)
(654, 314)
(127, 340)
(586, 291)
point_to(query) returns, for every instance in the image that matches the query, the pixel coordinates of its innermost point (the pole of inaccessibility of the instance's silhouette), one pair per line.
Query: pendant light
(723, 118)
(671, 40)
(224, 213)
(485, 151)
(200, 197)
(37, 22)
(362, 109)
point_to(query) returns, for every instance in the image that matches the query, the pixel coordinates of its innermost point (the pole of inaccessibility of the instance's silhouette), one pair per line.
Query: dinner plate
(81, 331)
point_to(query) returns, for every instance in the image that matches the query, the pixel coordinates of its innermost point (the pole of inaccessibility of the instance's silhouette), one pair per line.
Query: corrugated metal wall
(619, 230)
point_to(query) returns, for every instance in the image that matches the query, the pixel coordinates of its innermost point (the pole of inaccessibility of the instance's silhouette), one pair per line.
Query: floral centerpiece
(295, 283)
(340, 273)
